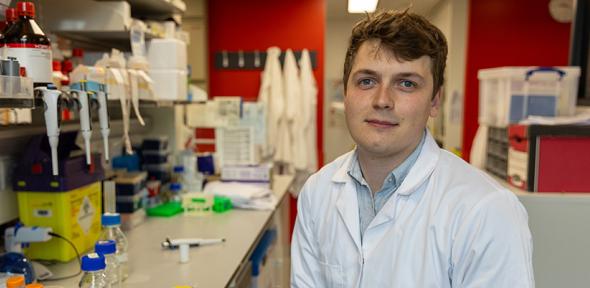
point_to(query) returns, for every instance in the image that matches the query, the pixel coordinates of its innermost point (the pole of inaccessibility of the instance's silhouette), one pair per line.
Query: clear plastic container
(508, 95)
(112, 271)
(93, 266)
(16, 92)
(111, 223)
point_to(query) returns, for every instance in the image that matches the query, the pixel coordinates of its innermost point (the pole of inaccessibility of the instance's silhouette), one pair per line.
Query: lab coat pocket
(332, 275)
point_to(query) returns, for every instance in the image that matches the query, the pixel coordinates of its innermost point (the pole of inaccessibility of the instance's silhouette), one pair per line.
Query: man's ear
(435, 103)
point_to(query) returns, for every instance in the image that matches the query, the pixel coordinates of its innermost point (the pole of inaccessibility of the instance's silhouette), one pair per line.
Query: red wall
(256, 25)
(508, 33)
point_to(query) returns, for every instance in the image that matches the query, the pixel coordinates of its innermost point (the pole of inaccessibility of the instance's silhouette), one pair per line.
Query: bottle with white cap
(93, 266)
(111, 223)
(112, 271)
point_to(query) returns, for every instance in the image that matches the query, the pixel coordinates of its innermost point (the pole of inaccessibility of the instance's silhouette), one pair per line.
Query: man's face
(388, 102)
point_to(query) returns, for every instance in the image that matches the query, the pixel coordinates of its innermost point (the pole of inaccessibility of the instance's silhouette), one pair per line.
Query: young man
(398, 211)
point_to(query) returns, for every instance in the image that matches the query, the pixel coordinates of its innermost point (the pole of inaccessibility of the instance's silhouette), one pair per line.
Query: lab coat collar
(348, 208)
(420, 171)
(423, 167)
(341, 175)
(347, 202)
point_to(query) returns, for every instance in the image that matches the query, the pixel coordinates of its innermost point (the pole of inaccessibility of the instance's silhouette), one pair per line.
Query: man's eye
(407, 84)
(366, 83)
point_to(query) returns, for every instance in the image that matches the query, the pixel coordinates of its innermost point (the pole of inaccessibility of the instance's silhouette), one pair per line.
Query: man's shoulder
(323, 178)
(330, 169)
(465, 181)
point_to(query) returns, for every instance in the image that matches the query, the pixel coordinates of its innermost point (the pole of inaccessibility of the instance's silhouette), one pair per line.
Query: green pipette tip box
(221, 204)
(165, 210)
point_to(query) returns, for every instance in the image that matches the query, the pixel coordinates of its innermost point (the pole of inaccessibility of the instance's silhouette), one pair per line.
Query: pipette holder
(34, 171)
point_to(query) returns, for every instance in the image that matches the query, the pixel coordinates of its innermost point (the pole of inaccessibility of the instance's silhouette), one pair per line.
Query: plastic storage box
(73, 214)
(510, 94)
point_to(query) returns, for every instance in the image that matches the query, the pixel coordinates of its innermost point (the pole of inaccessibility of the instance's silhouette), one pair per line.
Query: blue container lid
(105, 247)
(175, 186)
(178, 169)
(110, 219)
(93, 262)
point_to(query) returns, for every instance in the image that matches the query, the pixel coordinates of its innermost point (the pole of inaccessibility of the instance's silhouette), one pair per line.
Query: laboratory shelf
(156, 7)
(25, 130)
(101, 40)
(153, 103)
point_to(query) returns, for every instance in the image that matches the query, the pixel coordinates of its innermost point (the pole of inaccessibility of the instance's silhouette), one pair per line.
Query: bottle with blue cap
(176, 191)
(111, 223)
(93, 266)
(108, 248)
(177, 174)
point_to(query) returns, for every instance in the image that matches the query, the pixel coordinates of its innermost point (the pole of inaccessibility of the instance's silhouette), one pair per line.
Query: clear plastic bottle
(176, 191)
(177, 174)
(111, 223)
(112, 271)
(93, 266)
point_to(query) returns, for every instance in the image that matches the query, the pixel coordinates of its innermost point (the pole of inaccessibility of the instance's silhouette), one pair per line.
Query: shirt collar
(397, 175)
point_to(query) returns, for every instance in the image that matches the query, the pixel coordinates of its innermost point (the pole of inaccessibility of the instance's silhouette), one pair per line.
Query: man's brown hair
(409, 36)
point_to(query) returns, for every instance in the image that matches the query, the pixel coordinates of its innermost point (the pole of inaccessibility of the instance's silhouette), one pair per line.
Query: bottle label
(35, 58)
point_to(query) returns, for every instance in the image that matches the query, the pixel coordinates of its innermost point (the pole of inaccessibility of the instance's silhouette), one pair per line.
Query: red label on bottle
(26, 45)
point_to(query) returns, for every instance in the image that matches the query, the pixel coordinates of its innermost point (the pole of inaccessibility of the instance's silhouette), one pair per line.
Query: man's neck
(376, 168)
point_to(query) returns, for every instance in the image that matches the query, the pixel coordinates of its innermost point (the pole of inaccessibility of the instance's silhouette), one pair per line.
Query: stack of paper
(244, 195)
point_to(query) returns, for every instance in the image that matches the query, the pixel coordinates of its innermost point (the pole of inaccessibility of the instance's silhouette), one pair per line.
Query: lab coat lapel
(419, 173)
(347, 202)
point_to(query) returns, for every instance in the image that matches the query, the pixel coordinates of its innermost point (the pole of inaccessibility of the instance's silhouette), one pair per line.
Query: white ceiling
(337, 9)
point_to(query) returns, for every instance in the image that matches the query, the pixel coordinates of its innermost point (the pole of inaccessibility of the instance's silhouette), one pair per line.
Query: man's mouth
(381, 123)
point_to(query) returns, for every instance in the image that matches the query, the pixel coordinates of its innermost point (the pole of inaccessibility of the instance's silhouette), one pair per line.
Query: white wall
(450, 16)
(337, 140)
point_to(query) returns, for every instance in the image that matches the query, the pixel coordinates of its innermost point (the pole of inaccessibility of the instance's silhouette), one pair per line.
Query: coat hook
(256, 58)
(241, 59)
(225, 60)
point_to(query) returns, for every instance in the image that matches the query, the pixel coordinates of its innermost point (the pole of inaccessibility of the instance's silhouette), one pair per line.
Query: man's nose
(383, 98)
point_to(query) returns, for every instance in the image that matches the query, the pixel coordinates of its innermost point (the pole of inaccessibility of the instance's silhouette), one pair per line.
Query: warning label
(86, 214)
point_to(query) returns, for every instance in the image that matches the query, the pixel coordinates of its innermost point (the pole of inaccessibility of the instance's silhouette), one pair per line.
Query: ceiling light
(362, 6)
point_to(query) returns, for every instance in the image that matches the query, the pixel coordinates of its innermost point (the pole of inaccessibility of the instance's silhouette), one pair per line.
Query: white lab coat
(290, 139)
(271, 94)
(309, 92)
(447, 225)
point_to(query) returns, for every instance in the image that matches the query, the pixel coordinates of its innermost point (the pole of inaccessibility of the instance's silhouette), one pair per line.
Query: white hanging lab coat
(289, 140)
(271, 95)
(309, 92)
(447, 225)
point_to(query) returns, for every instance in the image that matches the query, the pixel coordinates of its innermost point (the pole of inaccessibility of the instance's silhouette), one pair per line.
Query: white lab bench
(209, 266)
